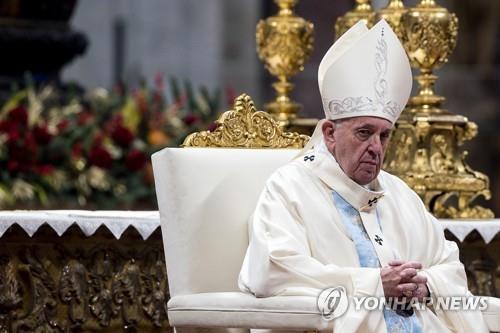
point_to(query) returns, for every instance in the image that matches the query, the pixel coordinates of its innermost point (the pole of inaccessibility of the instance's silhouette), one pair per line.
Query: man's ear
(328, 129)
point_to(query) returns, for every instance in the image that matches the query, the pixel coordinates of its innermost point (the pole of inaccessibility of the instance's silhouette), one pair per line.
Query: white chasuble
(300, 246)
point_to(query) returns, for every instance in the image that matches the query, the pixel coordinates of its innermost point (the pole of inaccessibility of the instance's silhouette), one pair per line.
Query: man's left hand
(414, 286)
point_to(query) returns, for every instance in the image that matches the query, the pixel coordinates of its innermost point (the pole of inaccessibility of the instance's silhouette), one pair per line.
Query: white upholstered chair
(205, 196)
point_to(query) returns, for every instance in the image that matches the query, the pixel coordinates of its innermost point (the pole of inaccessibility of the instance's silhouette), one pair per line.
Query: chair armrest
(240, 310)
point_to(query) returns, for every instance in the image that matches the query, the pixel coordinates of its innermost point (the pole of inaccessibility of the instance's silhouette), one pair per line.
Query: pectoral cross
(373, 201)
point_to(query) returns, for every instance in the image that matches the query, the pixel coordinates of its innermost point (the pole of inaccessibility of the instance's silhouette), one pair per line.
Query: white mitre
(365, 73)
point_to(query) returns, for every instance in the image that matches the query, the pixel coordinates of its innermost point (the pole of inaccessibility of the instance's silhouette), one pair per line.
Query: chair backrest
(205, 197)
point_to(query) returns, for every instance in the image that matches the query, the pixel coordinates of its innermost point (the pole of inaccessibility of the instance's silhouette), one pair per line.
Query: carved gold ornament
(68, 284)
(392, 14)
(424, 149)
(245, 127)
(425, 146)
(429, 35)
(284, 43)
(425, 153)
(363, 11)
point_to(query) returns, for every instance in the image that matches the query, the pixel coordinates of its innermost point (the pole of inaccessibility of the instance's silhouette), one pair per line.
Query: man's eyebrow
(371, 127)
(364, 126)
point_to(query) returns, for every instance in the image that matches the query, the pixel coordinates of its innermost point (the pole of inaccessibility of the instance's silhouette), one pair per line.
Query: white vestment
(299, 246)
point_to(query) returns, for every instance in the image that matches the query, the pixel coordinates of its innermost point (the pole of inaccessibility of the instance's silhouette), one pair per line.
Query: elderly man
(332, 218)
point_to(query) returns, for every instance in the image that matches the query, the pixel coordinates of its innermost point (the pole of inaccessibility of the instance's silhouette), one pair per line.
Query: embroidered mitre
(366, 72)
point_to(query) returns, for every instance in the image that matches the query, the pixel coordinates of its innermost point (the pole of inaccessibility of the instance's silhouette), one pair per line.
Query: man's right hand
(400, 279)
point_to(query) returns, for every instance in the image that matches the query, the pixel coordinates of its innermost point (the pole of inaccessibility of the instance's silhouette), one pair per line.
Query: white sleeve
(279, 261)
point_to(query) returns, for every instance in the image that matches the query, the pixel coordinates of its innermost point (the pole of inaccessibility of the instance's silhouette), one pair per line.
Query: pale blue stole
(368, 258)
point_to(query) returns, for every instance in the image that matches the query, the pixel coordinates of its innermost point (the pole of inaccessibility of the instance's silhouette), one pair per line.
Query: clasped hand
(400, 279)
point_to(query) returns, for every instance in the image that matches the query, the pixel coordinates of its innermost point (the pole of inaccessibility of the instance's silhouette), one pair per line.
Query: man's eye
(364, 133)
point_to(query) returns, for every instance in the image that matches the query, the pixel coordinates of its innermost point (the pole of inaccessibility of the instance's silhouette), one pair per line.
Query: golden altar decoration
(392, 14)
(245, 127)
(362, 11)
(425, 145)
(76, 280)
(284, 43)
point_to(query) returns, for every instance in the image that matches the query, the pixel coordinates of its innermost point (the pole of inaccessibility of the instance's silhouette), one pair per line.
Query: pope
(332, 217)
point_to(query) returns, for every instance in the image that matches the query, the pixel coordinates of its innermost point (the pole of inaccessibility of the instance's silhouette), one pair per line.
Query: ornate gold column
(284, 43)
(392, 14)
(424, 150)
(362, 11)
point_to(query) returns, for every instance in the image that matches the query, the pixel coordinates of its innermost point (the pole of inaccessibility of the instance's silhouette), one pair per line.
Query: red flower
(12, 165)
(19, 115)
(135, 160)
(100, 157)
(30, 143)
(6, 125)
(44, 170)
(11, 129)
(13, 136)
(23, 152)
(190, 119)
(85, 117)
(62, 125)
(76, 150)
(122, 136)
(98, 139)
(42, 135)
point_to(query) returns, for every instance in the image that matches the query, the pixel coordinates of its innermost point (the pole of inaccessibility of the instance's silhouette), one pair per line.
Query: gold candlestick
(362, 11)
(392, 14)
(429, 35)
(284, 43)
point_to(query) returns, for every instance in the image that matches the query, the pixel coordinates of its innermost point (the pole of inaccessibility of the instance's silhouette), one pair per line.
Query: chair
(205, 196)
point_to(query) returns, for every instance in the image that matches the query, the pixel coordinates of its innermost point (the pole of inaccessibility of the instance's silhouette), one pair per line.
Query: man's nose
(375, 145)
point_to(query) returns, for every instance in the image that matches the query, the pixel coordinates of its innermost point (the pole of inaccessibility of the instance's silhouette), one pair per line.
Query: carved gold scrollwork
(73, 287)
(245, 127)
(401, 151)
(10, 292)
(67, 289)
(126, 291)
(425, 155)
(429, 40)
(392, 13)
(362, 11)
(40, 314)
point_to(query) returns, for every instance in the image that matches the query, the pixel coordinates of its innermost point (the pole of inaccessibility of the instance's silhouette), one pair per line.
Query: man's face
(358, 145)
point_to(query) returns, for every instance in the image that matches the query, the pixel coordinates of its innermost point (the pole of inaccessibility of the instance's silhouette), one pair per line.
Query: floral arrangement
(67, 149)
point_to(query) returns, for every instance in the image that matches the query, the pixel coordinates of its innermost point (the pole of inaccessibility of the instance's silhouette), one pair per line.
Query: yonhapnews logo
(332, 302)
